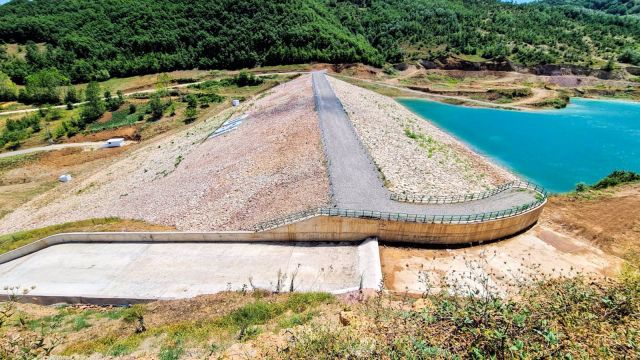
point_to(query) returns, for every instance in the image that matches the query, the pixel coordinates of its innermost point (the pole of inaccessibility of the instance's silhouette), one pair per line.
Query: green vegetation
(424, 141)
(564, 319)
(187, 34)
(8, 89)
(559, 102)
(16, 131)
(616, 7)
(13, 241)
(119, 118)
(242, 323)
(618, 177)
(631, 56)
(231, 34)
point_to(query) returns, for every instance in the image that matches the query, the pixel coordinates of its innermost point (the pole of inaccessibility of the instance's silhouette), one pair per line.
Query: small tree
(95, 106)
(192, 108)
(120, 96)
(610, 64)
(132, 108)
(43, 87)
(8, 90)
(156, 107)
(162, 84)
(135, 316)
(71, 96)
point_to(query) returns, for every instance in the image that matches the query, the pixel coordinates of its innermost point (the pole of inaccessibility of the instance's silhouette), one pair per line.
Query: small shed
(115, 142)
(235, 102)
(64, 178)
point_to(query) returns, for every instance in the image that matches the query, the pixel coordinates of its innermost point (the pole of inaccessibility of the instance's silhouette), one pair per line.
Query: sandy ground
(268, 167)
(438, 164)
(538, 254)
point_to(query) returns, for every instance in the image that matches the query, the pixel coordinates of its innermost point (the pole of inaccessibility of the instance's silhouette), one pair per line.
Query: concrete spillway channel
(127, 268)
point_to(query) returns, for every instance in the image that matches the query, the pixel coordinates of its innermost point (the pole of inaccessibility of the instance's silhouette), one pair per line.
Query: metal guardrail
(452, 199)
(416, 218)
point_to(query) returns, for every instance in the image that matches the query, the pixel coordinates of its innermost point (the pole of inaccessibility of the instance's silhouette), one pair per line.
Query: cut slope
(269, 166)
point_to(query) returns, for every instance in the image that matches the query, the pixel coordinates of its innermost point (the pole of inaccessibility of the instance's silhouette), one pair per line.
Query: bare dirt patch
(25, 177)
(537, 254)
(610, 220)
(576, 235)
(128, 132)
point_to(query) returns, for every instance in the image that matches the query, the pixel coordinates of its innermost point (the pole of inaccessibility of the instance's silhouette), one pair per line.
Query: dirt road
(51, 148)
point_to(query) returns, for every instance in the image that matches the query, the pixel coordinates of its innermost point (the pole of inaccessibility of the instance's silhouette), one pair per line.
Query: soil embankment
(270, 166)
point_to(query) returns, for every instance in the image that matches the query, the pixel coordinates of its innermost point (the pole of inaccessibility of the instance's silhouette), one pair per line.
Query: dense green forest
(617, 7)
(94, 40)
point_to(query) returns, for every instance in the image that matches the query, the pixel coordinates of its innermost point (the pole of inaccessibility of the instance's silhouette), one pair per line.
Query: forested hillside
(94, 40)
(617, 7)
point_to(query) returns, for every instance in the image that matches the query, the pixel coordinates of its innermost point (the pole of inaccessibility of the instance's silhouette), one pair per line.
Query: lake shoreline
(550, 157)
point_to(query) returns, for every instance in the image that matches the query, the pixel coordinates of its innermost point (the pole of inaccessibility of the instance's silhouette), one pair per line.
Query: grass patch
(80, 323)
(15, 240)
(562, 318)
(240, 324)
(13, 162)
(445, 79)
(424, 141)
(556, 103)
(119, 118)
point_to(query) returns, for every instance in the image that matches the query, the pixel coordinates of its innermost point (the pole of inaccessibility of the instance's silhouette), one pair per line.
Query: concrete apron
(122, 272)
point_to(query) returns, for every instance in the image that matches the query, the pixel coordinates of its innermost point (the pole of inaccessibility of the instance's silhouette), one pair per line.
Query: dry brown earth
(609, 219)
(588, 234)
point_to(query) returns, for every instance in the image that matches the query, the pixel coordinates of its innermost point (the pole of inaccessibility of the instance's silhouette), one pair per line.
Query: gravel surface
(270, 166)
(434, 164)
(356, 182)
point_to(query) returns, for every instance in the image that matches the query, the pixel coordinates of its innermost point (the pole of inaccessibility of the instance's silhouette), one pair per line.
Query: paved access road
(52, 147)
(355, 180)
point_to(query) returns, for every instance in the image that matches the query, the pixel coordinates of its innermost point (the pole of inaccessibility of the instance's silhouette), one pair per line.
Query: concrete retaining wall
(336, 228)
(318, 228)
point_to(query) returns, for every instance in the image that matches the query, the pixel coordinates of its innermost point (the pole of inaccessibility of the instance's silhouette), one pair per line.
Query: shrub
(16, 131)
(616, 178)
(630, 56)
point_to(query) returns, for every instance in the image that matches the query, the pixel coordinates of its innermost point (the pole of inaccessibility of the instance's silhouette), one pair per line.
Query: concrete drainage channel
(125, 272)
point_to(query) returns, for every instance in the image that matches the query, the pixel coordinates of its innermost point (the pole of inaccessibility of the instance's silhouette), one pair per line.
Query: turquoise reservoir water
(553, 148)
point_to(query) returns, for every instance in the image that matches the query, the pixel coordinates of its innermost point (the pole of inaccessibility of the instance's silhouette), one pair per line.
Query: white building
(115, 142)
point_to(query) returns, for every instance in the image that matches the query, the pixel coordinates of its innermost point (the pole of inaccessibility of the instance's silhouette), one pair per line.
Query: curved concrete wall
(317, 228)
(336, 228)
